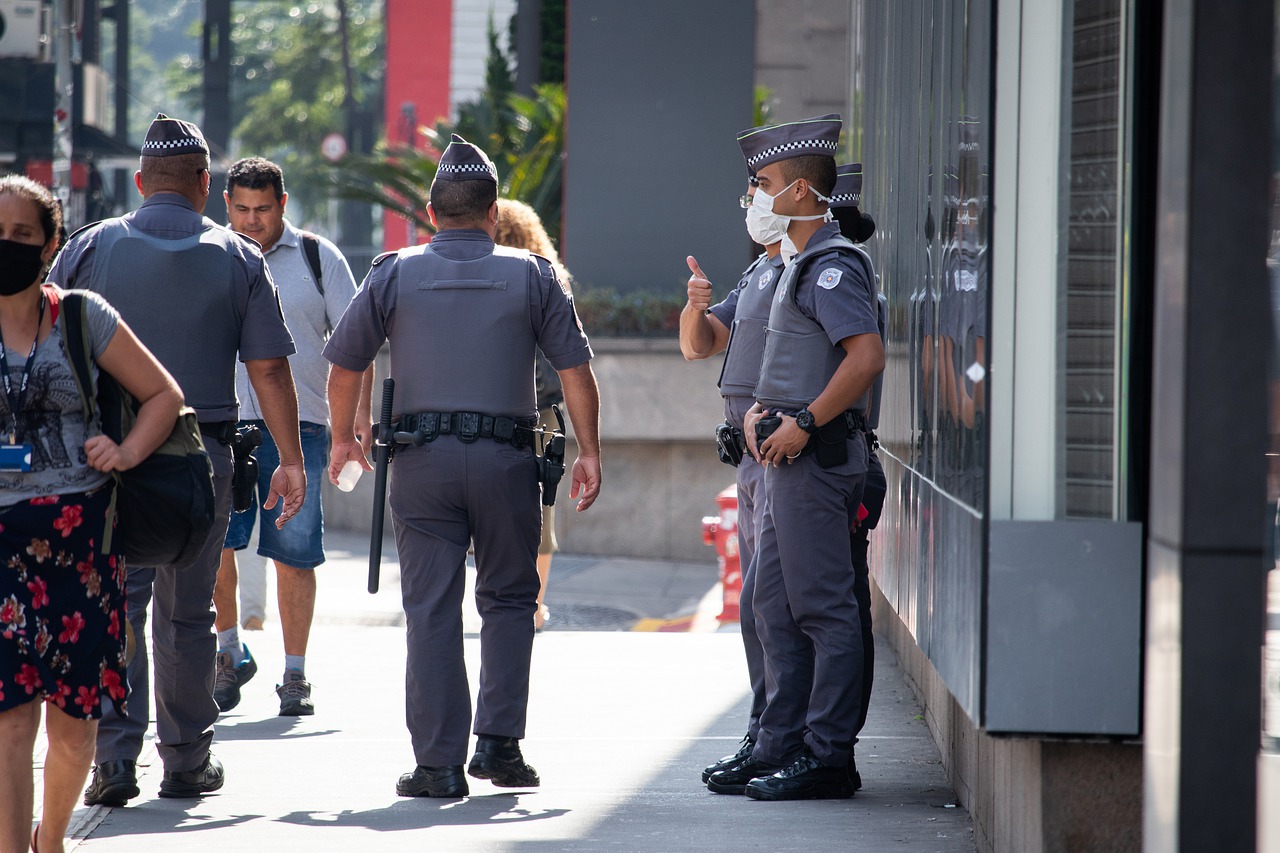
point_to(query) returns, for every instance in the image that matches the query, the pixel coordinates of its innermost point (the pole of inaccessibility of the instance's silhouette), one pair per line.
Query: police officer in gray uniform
(464, 319)
(859, 227)
(195, 293)
(822, 353)
(737, 324)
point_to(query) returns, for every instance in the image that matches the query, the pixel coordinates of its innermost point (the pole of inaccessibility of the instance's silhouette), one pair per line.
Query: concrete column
(1205, 585)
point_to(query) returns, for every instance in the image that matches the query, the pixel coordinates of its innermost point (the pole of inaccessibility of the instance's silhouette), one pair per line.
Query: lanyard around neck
(16, 401)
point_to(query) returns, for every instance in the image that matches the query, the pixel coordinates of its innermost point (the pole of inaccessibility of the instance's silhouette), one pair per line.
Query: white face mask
(765, 226)
(788, 250)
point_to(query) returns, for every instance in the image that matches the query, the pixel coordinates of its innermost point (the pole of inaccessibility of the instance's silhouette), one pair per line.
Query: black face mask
(20, 266)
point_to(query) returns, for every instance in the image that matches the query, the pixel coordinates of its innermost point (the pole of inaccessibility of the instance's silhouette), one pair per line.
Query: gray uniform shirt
(309, 316)
(372, 319)
(188, 324)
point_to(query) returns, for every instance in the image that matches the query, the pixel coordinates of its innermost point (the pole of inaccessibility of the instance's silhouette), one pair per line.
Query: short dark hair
(256, 173)
(818, 169)
(459, 203)
(50, 210)
(179, 173)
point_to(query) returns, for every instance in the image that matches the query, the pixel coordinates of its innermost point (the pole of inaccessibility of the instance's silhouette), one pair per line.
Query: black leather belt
(469, 426)
(223, 431)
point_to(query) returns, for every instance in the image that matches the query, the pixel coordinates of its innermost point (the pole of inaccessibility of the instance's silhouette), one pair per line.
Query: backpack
(164, 506)
(311, 248)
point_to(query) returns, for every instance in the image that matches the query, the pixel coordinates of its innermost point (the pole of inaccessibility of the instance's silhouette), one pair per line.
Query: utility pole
(216, 53)
(66, 45)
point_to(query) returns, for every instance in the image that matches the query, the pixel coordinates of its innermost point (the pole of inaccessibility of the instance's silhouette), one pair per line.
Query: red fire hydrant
(722, 532)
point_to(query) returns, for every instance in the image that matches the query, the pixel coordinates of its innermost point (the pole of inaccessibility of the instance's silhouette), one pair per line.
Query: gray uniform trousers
(184, 648)
(806, 613)
(444, 496)
(750, 516)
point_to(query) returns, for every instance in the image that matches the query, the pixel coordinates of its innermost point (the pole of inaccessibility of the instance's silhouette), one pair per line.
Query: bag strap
(311, 248)
(76, 337)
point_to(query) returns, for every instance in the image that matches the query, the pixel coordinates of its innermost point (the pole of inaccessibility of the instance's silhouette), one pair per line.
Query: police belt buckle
(468, 427)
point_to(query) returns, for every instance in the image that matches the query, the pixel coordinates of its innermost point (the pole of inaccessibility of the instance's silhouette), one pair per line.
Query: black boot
(745, 746)
(499, 760)
(806, 778)
(114, 783)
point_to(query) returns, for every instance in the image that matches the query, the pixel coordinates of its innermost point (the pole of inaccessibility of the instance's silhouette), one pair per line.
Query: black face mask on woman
(20, 266)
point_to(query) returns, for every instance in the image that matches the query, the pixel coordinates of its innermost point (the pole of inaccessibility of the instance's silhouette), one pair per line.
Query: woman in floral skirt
(61, 596)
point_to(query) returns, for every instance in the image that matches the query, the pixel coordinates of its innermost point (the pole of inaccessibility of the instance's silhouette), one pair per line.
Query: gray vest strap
(799, 359)
(185, 314)
(463, 339)
(742, 359)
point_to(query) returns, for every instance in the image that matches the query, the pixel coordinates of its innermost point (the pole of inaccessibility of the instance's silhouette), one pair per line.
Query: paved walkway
(620, 724)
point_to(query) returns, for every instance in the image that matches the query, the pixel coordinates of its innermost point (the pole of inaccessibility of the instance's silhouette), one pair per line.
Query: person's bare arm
(863, 362)
(701, 334)
(272, 382)
(582, 397)
(345, 389)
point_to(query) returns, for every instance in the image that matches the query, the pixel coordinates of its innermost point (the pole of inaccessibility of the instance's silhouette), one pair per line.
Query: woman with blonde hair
(520, 227)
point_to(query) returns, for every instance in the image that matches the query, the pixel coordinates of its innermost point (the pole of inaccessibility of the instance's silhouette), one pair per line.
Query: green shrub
(605, 312)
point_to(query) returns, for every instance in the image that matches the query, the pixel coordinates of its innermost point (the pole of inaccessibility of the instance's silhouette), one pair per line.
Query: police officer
(859, 227)
(704, 331)
(196, 294)
(464, 319)
(822, 353)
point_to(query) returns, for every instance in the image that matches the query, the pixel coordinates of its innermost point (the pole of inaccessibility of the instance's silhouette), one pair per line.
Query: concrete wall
(802, 56)
(1032, 796)
(661, 474)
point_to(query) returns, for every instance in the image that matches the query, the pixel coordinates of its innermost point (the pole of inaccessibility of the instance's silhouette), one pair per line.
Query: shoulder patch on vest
(829, 278)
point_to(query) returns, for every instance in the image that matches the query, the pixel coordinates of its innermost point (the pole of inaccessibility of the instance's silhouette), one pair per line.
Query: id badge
(15, 457)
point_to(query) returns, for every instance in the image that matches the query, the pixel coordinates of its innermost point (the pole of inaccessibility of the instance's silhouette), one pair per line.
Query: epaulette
(381, 258)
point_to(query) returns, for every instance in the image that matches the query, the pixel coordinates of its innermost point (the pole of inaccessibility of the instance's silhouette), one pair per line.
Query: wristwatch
(804, 420)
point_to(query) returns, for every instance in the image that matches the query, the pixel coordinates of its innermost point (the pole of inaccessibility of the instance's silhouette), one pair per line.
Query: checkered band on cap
(819, 135)
(463, 161)
(169, 137)
(848, 188)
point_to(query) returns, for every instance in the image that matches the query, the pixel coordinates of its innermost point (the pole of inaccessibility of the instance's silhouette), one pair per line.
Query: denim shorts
(301, 543)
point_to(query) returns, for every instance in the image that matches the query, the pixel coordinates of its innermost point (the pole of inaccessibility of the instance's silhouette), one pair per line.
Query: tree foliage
(288, 86)
(523, 135)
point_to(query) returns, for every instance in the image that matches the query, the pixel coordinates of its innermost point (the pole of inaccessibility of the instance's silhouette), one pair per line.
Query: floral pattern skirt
(62, 621)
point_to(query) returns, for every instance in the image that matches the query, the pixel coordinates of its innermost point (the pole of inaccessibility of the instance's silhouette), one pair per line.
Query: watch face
(804, 420)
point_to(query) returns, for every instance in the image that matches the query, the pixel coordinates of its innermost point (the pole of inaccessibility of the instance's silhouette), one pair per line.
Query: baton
(382, 448)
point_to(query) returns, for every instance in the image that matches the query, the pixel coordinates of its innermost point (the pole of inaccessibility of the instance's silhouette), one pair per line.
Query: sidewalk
(620, 724)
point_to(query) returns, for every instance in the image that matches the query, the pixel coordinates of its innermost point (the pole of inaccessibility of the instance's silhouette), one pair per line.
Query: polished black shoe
(855, 778)
(806, 778)
(192, 783)
(499, 760)
(745, 746)
(734, 778)
(114, 783)
(433, 782)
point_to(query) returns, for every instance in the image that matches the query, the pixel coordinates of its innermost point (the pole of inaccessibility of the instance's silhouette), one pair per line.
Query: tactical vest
(178, 297)
(462, 338)
(799, 358)
(741, 370)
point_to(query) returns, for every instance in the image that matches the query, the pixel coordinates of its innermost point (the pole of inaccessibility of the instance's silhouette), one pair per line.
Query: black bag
(164, 506)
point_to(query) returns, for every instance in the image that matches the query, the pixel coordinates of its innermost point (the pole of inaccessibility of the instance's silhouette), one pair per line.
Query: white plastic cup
(349, 475)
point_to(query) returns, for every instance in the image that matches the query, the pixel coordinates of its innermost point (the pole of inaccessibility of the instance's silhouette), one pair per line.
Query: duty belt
(469, 426)
(223, 431)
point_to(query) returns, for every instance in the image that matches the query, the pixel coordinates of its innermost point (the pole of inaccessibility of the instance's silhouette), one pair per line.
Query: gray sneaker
(230, 676)
(295, 695)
